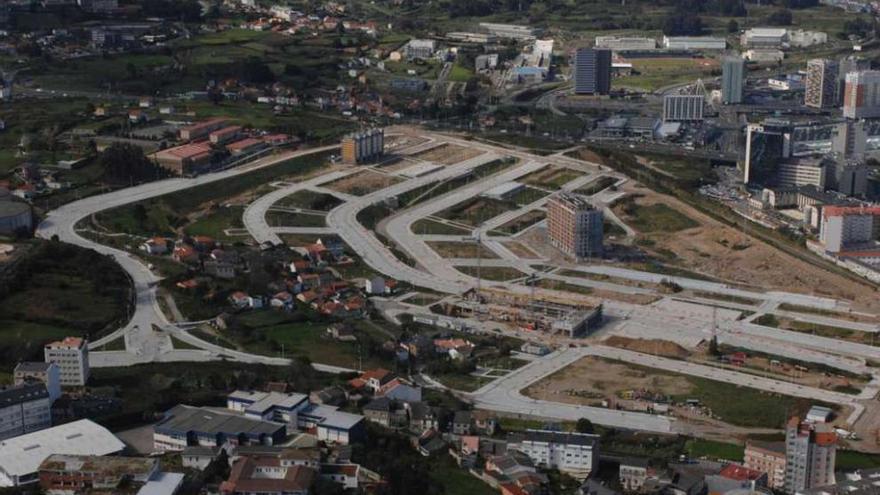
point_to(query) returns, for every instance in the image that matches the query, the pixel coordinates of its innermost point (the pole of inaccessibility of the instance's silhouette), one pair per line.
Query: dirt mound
(649, 346)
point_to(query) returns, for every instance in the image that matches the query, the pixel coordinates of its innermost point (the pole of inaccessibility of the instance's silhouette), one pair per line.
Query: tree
(713, 347)
(780, 17)
(732, 26)
(584, 425)
(125, 163)
(682, 24)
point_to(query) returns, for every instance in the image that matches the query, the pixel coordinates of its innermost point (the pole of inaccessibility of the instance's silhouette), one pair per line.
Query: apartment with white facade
(72, 357)
(576, 454)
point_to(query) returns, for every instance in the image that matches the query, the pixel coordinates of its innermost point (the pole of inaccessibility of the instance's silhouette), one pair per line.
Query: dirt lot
(448, 154)
(520, 250)
(593, 379)
(726, 253)
(363, 183)
(806, 374)
(461, 250)
(522, 222)
(649, 346)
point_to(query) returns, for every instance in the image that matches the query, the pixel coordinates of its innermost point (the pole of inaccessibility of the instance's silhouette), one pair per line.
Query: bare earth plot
(475, 211)
(461, 250)
(551, 177)
(592, 380)
(363, 183)
(521, 250)
(726, 253)
(448, 154)
(522, 222)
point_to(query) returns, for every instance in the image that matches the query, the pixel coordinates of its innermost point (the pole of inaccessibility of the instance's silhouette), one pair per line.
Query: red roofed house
(248, 145)
(201, 129)
(156, 245)
(225, 134)
(203, 243)
(185, 159)
(240, 299)
(185, 254)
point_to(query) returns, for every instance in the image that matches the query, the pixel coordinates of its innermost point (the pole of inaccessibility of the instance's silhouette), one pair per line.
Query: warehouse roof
(183, 418)
(22, 455)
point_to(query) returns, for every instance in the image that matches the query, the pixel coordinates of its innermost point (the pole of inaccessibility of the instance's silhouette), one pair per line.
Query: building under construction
(363, 147)
(570, 318)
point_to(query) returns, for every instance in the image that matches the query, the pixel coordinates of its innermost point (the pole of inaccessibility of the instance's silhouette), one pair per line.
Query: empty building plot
(309, 200)
(363, 183)
(551, 177)
(496, 273)
(522, 222)
(420, 170)
(475, 211)
(449, 249)
(448, 154)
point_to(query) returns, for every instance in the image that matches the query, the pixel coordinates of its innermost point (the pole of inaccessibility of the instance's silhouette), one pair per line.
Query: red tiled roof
(243, 144)
(836, 211)
(205, 123)
(185, 151)
(740, 473)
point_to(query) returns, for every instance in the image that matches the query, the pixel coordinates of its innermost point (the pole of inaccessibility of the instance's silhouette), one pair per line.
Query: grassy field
(461, 250)
(498, 273)
(458, 381)
(698, 448)
(217, 221)
(310, 200)
(850, 460)
(653, 73)
(428, 226)
(564, 286)
(289, 219)
(753, 408)
(522, 222)
(476, 210)
(551, 178)
(162, 215)
(656, 218)
(460, 74)
(268, 332)
(596, 186)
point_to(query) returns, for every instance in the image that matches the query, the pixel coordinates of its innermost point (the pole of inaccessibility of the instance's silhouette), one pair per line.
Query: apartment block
(575, 226)
(732, 80)
(71, 355)
(363, 147)
(767, 457)
(810, 452)
(576, 454)
(847, 227)
(683, 108)
(592, 71)
(861, 95)
(24, 409)
(821, 86)
(30, 372)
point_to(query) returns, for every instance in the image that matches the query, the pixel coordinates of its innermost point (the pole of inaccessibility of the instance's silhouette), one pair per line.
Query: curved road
(143, 343)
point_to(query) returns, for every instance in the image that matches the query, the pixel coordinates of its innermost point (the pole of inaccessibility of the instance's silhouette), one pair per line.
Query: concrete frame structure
(575, 226)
